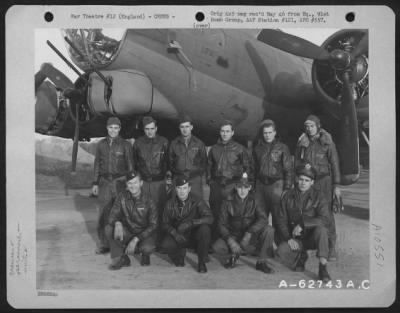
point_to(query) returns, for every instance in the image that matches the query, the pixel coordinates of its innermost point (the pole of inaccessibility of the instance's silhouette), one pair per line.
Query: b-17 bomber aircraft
(211, 75)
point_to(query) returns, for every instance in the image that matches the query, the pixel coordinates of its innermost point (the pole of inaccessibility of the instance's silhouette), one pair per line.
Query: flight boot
(263, 267)
(122, 261)
(231, 261)
(145, 261)
(323, 273)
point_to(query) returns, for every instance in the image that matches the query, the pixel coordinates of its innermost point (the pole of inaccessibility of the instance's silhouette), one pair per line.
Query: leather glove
(180, 239)
(245, 241)
(130, 249)
(234, 246)
(185, 226)
(118, 231)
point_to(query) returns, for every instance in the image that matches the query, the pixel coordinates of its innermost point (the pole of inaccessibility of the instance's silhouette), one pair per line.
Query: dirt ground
(66, 236)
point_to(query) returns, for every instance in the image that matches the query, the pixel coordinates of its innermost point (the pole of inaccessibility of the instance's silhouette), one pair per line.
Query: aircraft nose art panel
(131, 93)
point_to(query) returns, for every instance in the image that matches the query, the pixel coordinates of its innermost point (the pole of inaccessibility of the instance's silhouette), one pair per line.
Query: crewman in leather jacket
(188, 156)
(302, 223)
(317, 148)
(150, 153)
(243, 227)
(132, 224)
(187, 221)
(112, 162)
(227, 161)
(273, 169)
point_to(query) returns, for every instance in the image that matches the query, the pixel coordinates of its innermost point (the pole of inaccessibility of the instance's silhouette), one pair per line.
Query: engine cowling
(327, 75)
(131, 93)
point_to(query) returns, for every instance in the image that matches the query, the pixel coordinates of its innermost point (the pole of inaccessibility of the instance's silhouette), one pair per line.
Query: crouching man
(187, 221)
(132, 224)
(302, 223)
(244, 228)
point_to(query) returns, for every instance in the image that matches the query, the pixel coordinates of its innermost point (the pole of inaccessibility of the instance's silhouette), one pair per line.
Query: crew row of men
(228, 171)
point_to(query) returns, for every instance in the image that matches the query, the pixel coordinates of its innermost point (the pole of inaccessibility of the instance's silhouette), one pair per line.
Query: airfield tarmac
(66, 240)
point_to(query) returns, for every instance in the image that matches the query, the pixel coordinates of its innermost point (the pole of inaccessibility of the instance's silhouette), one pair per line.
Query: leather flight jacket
(190, 160)
(113, 159)
(138, 215)
(151, 157)
(238, 216)
(228, 161)
(273, 162)
(194, 210)
(321, 153)
(309, 210)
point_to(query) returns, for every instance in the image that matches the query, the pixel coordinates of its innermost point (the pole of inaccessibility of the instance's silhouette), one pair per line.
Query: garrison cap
(243, 181)
(183, 118)
(131, 175)
(314, 119)
(306, 170)
(181, 180)
(148, 120)
(113, 121)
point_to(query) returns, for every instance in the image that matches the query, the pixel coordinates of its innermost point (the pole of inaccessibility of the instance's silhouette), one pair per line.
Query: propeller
(292, 44)
(361, 48)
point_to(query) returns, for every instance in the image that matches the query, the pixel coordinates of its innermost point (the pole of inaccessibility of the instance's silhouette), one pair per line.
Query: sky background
(45, 54)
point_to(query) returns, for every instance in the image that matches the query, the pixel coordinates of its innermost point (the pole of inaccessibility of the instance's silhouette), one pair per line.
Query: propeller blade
(39, 79)
(76, 140)
(363, 109)
(58, 78)
(362, 47)
(292, 44)
(348, 145)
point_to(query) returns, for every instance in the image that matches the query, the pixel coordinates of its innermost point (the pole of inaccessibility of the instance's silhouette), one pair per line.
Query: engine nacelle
(131, 93)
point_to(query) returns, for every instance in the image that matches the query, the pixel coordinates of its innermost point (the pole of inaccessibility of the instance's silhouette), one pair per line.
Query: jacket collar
(182, 140)
(323, 137)
(116, 139)
(220, 142)
(149, 140)
(131, 197)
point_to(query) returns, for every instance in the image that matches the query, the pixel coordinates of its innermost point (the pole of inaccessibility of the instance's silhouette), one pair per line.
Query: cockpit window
(96, 45)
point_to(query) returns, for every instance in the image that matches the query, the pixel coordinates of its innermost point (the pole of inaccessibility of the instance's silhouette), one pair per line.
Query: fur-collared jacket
(321, 153)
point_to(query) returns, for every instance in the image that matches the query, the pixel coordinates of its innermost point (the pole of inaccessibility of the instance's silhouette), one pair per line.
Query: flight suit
(273, 170)
(139, 218)
(189, 159)
(321, 153)
(113, 160)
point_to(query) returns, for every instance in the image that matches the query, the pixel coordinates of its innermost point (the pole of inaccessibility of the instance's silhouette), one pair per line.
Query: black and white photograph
(203, 159)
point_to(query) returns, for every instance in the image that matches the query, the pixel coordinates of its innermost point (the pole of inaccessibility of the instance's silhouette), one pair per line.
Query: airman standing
(188, 156)
(112, 162)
